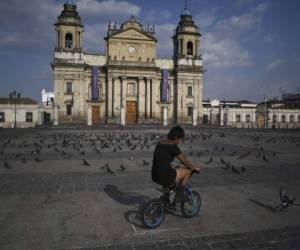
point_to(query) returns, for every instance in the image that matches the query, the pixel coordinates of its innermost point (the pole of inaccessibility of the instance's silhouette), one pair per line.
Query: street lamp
(265, 100)
(14, 96)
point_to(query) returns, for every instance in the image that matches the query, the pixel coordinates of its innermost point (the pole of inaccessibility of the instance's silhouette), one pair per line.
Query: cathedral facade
(128, 84)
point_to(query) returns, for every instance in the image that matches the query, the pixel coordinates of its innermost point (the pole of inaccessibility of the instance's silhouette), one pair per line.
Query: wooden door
(131, 112)
(95, 114)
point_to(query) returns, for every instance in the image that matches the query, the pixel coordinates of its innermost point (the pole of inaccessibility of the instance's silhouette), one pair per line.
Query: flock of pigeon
(71, 146)
(82, 145)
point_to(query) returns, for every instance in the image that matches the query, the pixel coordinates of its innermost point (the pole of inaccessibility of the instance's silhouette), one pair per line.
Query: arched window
(283, 118)
(69, 40)
(190, 48)
(291, 118)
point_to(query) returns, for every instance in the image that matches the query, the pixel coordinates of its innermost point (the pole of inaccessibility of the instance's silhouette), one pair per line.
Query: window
(283, 118)
(69, 88)
(298, 118)
(69, 109)
(2, 117)
(130, 89)
(190, 111)
(28, 116)
(274, 118)
(238, 118)
(190, 91)
(291, 118)
(190, 48)
(247, 118)
(69, 41)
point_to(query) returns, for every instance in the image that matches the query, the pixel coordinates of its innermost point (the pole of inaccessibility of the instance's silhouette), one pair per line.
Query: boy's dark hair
(176, 132)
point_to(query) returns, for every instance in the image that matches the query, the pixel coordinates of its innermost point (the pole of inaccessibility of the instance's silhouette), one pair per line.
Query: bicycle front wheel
(153, 214)
(192, 207)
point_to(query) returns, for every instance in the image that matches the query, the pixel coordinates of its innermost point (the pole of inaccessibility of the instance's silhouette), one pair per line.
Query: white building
(47, 97)
(24, 113)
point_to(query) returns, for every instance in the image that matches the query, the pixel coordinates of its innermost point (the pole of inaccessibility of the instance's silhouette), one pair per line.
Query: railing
(131, 63)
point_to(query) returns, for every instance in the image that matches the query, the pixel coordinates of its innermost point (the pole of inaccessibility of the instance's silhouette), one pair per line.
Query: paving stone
(145, 246)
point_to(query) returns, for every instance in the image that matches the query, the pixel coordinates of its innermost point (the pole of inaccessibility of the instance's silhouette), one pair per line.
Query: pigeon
(209, 161)
(122, 167)
(145, 163)
(7, 166)
(264, 158)
(37, 159)
(234, 170)
(222, 161)
(233, 153)
(82, 153)
(285, 200)
(108, 169)
(243, 168)
(85, 162)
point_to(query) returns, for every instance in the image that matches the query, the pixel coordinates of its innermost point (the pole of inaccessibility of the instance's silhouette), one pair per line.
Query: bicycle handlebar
(195, 172)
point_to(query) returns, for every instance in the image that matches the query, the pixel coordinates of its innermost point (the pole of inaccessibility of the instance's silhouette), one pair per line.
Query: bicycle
(153, 213)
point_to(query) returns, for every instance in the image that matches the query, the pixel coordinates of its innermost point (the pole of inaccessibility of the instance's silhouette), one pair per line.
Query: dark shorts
(164, 178)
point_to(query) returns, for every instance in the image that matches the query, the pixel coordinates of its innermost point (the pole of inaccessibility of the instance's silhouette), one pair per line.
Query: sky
(249, 47)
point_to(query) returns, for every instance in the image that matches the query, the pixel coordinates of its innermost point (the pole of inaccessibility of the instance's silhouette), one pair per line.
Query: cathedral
(128, 84)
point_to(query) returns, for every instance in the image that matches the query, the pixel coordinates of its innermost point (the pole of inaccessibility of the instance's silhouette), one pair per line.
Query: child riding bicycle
(163, 172)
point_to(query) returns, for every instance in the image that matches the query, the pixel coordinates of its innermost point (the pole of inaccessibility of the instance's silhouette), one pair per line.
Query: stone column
(138, 98)
(195, 114)
(40, 116)
(55, 122)
(123, 116)
(123, 91)
(222, 116)
(109, 96)
(141, 99)
(146, 98)
(89, 115)
(113, 97)
(151, 99)
(165, 115)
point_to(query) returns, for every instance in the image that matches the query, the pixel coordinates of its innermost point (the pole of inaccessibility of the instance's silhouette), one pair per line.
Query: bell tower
(188, 71)
(186, 37)
(69, 29)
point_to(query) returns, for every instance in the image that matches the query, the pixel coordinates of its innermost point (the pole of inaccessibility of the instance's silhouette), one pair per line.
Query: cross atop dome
(186, 11)
(70, 2)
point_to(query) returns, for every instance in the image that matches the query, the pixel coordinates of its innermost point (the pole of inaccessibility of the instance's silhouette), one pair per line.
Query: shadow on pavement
(265, 206)
(128, 198)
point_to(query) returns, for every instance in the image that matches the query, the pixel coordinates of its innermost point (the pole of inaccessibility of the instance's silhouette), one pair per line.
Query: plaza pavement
(59, 203)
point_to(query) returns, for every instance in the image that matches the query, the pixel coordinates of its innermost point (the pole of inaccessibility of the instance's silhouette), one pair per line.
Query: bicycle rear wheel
(153, 214)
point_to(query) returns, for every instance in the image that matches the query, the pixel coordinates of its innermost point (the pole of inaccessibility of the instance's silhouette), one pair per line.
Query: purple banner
(164, 85)
(95, 86)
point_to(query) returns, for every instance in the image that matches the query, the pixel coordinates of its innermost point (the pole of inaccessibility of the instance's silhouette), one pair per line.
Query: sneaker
(181, 195)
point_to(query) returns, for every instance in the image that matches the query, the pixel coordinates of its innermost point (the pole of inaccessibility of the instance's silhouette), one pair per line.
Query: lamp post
(14, 96)
(265, 100)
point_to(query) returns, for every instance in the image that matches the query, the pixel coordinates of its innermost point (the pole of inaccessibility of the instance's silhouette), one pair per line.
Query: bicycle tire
(196, 210)
(146, 223)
